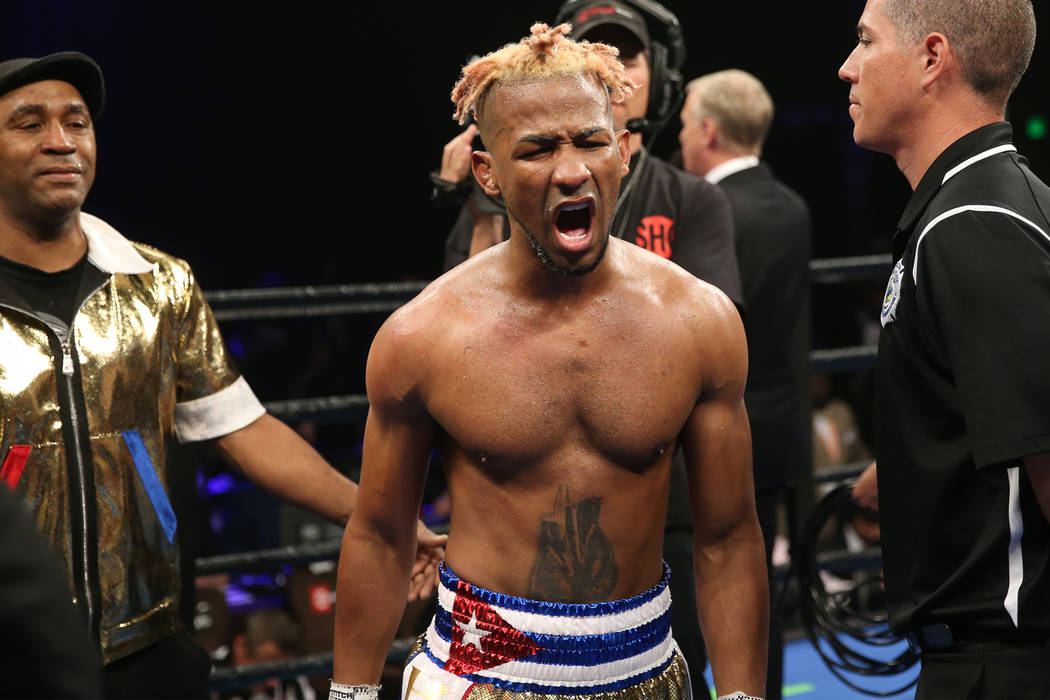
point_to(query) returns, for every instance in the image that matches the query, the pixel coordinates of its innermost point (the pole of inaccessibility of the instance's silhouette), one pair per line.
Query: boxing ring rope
(347, 299)
(266, 559)
(233, 677)
(365, 290)
(355, 406)
(309, 301)
(384, 298)
(850, 269)
(349, 406)
(329, 550)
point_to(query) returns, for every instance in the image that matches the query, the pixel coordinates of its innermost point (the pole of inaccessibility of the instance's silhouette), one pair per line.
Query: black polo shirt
(964, 394)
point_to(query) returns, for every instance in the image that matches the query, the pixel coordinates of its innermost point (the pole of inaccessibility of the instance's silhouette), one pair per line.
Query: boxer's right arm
(379, 543)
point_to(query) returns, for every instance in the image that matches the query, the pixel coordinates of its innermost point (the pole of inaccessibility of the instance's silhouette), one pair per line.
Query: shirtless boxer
(555, 373)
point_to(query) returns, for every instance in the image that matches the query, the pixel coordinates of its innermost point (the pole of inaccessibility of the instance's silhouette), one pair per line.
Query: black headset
(666, 58)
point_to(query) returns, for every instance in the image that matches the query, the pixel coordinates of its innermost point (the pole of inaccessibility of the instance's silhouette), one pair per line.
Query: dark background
(289, 143)
(275, 144)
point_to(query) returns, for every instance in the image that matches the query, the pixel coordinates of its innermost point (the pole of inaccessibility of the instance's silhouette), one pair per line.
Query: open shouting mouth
(574, 224)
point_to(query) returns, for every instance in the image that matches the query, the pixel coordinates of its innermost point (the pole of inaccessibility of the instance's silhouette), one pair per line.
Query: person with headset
(673, 213)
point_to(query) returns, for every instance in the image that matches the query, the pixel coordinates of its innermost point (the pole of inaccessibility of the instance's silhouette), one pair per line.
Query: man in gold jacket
(108, 350)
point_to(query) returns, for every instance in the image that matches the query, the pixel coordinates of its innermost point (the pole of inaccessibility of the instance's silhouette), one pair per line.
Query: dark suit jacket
(773, 240)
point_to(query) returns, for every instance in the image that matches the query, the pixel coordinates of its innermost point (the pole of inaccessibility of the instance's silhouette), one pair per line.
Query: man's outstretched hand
(430, 551)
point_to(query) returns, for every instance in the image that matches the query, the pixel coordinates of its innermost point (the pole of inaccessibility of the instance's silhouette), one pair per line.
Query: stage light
(1036, 127)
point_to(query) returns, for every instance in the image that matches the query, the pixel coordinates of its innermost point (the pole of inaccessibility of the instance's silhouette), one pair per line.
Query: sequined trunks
(485, 645)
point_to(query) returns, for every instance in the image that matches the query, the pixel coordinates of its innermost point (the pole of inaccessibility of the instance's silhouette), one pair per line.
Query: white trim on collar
(1006, 148)
(729, 167)
(109, 251)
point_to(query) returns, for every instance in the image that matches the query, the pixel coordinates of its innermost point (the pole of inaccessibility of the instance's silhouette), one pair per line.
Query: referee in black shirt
(963, 423)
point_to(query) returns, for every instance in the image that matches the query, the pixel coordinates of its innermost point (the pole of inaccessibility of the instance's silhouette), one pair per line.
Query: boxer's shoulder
(686, 301)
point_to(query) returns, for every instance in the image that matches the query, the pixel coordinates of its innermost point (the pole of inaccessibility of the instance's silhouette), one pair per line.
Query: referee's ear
(938, 59)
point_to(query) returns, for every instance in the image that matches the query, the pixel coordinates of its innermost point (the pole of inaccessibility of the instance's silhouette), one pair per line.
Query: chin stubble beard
(48, 224)
(548, 261)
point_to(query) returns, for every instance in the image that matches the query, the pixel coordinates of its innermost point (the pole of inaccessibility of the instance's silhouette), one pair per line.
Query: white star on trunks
(472, 634)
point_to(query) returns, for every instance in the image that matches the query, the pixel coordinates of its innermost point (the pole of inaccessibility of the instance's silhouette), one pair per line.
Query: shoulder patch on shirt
(893, 294)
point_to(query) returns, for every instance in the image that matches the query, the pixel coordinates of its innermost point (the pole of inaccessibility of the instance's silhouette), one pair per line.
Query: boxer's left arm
(728, 552)
(1038, 469)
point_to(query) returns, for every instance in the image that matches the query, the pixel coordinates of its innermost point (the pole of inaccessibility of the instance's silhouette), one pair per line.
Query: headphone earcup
(659, 98)
(666, 55)
(567, 10)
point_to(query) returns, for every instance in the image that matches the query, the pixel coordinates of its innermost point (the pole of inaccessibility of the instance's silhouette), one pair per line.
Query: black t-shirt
(52, 295)
(964, 395)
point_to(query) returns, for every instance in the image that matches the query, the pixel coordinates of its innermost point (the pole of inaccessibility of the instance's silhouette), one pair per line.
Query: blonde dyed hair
(547, 53)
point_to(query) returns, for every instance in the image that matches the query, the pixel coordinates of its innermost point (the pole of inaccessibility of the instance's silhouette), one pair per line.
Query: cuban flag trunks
(483, 645)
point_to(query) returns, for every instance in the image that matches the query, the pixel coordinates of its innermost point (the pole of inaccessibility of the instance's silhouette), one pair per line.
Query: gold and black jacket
(87, 418)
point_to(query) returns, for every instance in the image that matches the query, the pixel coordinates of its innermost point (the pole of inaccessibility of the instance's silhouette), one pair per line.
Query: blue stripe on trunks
(541, 689)
(583, 650)
(541, 607)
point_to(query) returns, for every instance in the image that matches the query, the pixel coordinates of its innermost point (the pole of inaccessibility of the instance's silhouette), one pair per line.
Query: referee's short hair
(993, 39)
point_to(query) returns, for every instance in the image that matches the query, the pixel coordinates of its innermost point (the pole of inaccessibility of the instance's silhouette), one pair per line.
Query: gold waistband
(671, 684)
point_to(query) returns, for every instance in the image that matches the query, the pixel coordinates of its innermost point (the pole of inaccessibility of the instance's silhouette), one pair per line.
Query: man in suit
(725, 119)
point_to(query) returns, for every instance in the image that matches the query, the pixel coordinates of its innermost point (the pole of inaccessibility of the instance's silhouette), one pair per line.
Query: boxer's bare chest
(517, 389)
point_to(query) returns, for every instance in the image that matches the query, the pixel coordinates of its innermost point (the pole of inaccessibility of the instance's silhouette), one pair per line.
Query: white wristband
(738, 695)
(339, 691)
